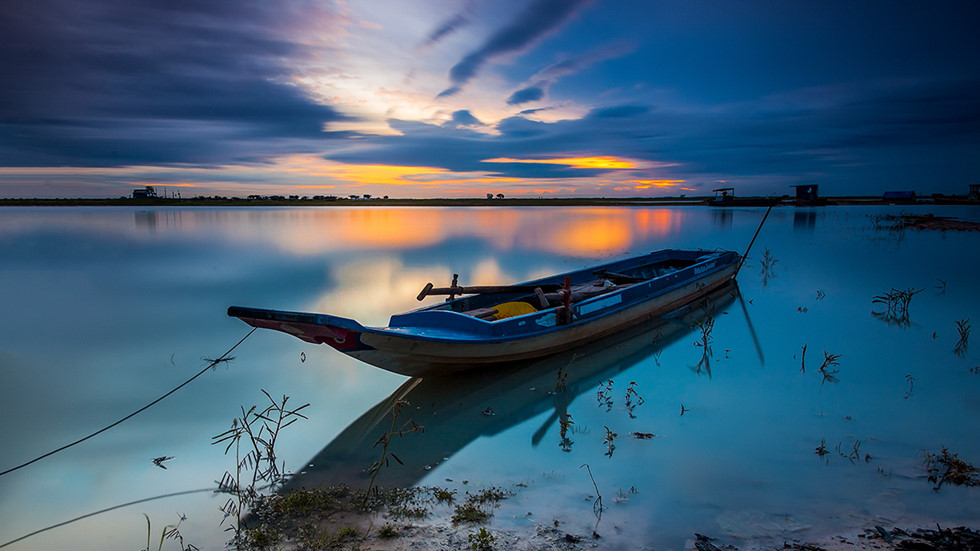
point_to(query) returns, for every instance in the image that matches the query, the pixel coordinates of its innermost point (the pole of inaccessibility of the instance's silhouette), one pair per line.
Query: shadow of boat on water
(456, 410)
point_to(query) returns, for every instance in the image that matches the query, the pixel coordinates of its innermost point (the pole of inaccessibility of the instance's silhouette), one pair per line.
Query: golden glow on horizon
(299, 174)
(397, 175)
(602, 162)
(163, 185)
(647, 184)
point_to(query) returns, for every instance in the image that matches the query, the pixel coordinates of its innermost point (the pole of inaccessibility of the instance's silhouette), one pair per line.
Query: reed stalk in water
(963, 328)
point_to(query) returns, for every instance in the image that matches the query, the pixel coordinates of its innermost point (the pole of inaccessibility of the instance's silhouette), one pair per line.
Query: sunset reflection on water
(585, 232)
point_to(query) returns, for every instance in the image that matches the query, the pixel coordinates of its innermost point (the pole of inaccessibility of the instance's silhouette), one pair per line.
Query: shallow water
(107, 309)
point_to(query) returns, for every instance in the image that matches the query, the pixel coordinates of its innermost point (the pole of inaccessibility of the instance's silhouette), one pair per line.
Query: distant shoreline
(472, 202)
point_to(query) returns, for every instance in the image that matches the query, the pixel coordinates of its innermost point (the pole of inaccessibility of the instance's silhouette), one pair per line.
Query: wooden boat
(509, 323)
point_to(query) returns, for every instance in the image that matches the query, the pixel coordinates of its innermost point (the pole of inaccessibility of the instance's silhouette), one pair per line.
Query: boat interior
(551, 293)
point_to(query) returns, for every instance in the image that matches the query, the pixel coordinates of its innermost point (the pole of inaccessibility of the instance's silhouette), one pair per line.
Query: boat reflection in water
(456, 410)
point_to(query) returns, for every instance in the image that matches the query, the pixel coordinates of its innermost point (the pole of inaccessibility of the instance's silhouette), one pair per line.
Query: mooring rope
(106, 510)
(749, 248)
(140, 410)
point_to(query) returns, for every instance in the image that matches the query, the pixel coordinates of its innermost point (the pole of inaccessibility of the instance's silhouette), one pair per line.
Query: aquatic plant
(597, 504)
(604, 394)
(387, 531)
(384, 441)
(158, 461)
(563, 375)
(896, 305)
(803, 360)
(492, 496)
(658, 350)
(946, 467)
(768, 266)
(443, 495)
(705, 326)
(315, 537)
(169, 532)
(911, 381)
(829, 375)
(560, 382)
(853, 455)
(633, 399)
(564, 423)
(481, 540)
(822, 448)
(478, 506)
(257, 432)
(963, 328)
(608, 441)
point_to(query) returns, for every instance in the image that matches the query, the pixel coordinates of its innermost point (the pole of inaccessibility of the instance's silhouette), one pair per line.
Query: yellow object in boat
(511, 309)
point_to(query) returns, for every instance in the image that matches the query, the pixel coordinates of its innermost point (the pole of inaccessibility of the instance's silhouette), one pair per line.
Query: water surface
(107, 309)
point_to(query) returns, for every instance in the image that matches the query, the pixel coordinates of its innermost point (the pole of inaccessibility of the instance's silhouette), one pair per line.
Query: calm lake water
(104, 310)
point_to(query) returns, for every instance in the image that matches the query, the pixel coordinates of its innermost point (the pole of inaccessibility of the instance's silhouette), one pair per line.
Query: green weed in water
(481, 540)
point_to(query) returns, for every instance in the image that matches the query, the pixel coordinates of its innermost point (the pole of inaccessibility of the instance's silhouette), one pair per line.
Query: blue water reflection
(106, 309)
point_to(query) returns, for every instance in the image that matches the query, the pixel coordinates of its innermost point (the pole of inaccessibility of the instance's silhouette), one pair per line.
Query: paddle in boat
(477, 326)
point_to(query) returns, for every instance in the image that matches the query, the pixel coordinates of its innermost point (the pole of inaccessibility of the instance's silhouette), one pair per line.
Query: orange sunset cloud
(603, 162)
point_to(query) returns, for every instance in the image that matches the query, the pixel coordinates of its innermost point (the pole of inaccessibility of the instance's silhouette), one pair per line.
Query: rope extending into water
(749, 248)
(106, 510)
(131, 415)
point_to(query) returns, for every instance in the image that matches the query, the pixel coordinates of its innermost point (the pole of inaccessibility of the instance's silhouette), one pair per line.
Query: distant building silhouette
(145, 193)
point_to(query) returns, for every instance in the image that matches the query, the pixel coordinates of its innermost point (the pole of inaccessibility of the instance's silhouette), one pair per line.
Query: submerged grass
(303, 516)
(479, 507)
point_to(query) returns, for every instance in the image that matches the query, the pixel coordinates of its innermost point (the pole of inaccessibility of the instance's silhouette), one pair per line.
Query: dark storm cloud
(538, 18)
(108, 82)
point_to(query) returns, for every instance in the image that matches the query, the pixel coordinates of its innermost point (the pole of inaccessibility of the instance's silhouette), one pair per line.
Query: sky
(460, 98)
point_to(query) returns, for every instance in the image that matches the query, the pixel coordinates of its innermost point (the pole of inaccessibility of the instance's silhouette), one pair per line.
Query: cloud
(447, 28)
(525, 95)
(108, 82)
(462, 118)
(548, 76)
(762, 145)
(619, 112)
(538, 19)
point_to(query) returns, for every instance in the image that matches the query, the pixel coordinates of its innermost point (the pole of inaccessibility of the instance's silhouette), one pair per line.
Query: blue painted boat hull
(443, 338)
